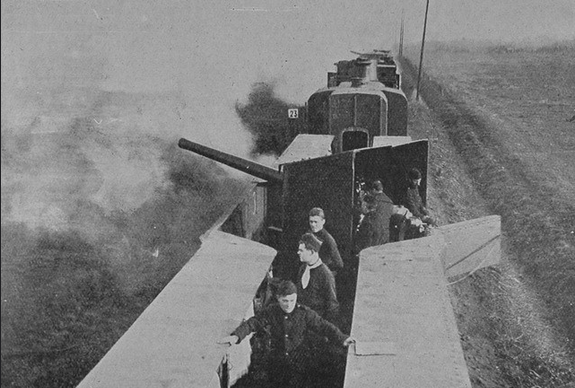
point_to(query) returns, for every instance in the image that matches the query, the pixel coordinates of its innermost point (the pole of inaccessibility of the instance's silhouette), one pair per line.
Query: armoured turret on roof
(376, 66)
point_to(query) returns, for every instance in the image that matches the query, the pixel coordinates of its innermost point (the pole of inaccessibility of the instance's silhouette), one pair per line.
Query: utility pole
(421, 55)
(400, 51)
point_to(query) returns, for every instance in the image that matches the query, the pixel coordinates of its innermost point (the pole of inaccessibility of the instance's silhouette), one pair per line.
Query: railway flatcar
(395, 295)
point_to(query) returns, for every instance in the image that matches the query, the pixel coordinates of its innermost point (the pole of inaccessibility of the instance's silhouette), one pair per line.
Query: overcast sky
(213, 50)
(210, 52)
(172, 69)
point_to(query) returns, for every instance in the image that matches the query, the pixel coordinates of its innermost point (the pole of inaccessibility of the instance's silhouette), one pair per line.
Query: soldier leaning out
(291, 357)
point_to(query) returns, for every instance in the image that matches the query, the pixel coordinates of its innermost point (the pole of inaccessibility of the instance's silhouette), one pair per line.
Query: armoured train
(396, 294)
(356, 131)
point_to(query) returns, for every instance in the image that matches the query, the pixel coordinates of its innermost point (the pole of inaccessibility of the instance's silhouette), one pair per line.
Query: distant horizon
(533, 42)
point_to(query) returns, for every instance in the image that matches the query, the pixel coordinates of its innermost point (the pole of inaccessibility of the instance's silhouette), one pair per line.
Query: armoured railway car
(395, 294)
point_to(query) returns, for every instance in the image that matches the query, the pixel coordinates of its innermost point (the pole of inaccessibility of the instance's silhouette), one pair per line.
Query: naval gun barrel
(247, 166)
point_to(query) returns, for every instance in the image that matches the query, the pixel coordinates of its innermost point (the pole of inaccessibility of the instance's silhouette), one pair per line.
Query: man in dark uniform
(383, 209)
(316, 284)
(328, 252)
(290, 358)
(370, 230)
(412, 199)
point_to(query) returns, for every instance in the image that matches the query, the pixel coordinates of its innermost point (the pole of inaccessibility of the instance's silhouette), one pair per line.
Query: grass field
(503, 142)
(72, 286)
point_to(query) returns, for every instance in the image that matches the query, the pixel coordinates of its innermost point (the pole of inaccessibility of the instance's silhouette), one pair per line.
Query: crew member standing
(370, 229)
(413, 201)
(329, 253)
(316, 284)
(383, 209)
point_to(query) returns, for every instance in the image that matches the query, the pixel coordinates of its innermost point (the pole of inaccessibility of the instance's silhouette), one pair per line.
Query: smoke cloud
(100, 209)
(265, 116)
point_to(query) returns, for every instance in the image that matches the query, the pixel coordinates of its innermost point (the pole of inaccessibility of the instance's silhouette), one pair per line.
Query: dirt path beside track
(515, 320)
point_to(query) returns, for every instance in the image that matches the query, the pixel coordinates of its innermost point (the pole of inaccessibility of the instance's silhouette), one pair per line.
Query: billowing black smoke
(99, 212)
(266, 117)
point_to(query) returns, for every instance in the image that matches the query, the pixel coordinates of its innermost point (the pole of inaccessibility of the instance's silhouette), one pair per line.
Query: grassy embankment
(528, 304)
(69, 294)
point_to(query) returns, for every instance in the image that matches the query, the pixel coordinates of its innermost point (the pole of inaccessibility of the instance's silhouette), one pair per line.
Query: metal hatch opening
(354, 139)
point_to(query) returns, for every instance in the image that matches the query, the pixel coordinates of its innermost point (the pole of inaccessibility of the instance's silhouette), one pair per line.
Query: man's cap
(317, 212)
(375, 185)
(311, 242)
(414, 173)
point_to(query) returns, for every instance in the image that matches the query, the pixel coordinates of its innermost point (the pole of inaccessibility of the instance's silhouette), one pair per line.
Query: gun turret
(247, 166)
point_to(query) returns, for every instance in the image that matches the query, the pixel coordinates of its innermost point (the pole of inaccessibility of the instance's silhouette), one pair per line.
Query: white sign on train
(293, 113)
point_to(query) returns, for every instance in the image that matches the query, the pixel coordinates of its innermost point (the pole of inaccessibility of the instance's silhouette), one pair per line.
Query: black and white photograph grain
(287, 194)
